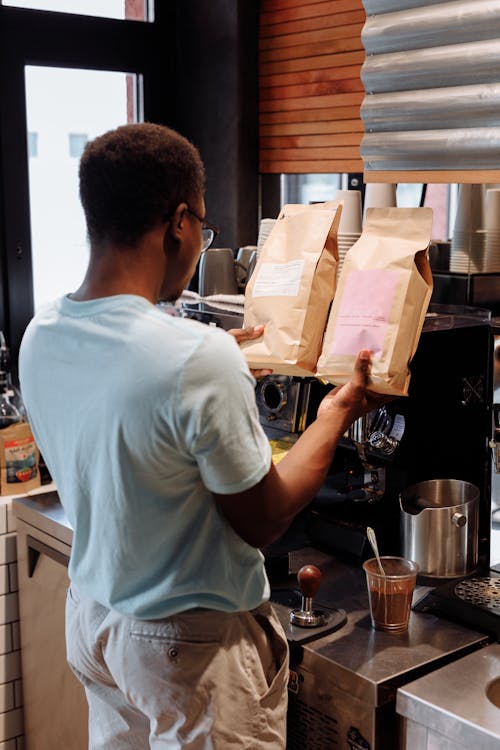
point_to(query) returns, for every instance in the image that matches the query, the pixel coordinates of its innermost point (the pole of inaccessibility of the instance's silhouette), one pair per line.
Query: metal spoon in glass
(373, 541)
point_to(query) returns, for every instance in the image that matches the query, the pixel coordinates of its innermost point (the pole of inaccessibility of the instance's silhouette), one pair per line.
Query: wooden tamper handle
(309, 578)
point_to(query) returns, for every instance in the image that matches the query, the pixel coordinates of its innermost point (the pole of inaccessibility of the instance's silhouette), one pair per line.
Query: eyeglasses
(209, 231)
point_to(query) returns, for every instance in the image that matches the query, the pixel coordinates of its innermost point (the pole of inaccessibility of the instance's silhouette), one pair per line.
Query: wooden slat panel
(311, 128)
(343, 59)
(310, 115)
(336, 20)
(275, 14)
(348, 73)
(310, 141)
(310, 90)
(312, 102)
(312, 167)
(308, 154)
(311, 37)
(322, 88)
(331, 47)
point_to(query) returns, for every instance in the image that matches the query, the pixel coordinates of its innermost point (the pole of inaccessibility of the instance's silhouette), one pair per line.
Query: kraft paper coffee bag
(381, 300)
(291, 289)
(19, 459)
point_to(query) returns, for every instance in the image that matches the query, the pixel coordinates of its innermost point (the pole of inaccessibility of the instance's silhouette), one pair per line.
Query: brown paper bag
(381, 300)
(291, 289)
(19, 458)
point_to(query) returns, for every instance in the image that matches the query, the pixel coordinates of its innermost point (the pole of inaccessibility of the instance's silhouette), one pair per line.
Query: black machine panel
(447, 425)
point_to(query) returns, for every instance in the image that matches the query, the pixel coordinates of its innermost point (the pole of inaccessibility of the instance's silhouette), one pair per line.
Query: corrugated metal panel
(431, 26)
(432, 86)
(424, 110)
(373, 7)
(469, 64)
(471, 147)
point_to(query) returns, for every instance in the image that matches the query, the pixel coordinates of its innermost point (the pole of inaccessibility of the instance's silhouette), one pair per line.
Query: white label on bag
(279, 279)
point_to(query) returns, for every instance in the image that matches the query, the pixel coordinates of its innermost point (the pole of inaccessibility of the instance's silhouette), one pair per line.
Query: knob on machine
(309, 579)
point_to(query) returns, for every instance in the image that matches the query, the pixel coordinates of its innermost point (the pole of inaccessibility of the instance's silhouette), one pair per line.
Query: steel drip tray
(481, 592)
(473, 601)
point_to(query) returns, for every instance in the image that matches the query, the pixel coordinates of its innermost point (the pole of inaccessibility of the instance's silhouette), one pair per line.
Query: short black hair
(132, 177)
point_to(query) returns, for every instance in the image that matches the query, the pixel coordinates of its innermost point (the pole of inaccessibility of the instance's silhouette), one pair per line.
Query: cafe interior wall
(216, 108)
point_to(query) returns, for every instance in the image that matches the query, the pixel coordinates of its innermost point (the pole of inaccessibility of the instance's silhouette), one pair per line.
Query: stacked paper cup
(468, 243)
(350, 222)
(491, 261)
(379, 195)
(475, 245)
(265, 228)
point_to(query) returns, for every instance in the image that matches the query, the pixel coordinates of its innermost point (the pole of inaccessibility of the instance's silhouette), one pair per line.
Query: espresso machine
(441, 430)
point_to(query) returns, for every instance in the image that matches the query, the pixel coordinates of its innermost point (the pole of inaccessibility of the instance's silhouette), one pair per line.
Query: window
(132, 10)
(77, 142)
(309, 188)
(60, 102)
(115, 70)
(32, 145)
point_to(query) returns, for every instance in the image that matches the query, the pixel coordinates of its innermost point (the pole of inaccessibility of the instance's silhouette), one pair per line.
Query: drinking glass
(391, 594)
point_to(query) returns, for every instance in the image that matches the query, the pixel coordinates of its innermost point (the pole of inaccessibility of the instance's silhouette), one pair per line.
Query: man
(149, 427)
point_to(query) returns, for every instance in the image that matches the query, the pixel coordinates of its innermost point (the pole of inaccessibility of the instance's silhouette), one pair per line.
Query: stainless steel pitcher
(439, 527)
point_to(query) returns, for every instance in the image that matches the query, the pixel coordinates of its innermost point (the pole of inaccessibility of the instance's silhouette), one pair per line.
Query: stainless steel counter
(344, 685)
(45, 512)
(346, 679)
(457, 706)
(369, 663)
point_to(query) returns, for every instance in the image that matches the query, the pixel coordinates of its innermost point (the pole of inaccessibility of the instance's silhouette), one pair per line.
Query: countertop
(372, 664)
(367, 663)
(460, 702)
(44, 511)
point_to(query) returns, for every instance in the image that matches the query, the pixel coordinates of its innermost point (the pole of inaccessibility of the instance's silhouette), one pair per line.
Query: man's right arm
(262, 513)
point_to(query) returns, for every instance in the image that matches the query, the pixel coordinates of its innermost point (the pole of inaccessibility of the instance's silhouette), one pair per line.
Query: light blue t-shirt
(140, 416)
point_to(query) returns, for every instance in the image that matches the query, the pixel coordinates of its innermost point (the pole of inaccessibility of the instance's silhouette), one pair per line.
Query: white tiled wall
(11, 695)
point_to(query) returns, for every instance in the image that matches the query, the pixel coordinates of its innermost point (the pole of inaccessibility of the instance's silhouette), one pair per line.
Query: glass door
(65, 108)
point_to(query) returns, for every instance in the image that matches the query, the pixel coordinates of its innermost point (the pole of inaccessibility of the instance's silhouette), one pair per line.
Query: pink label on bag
(364, 311)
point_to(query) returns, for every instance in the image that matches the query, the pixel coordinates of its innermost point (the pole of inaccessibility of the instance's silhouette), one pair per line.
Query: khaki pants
(200, 680)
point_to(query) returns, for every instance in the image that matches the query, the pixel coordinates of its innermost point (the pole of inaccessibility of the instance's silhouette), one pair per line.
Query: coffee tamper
(309, 578)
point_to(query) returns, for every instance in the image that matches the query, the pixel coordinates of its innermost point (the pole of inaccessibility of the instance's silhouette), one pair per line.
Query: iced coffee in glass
(391, 592)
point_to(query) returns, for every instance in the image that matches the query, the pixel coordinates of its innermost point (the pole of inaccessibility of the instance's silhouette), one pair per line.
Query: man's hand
(262, 513)
(353, 398)
(247, 334)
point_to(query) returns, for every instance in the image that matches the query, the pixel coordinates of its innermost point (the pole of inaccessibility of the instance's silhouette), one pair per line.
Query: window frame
(54, 39)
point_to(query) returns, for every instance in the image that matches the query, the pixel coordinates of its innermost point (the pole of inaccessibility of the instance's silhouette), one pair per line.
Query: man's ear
(177, 221)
